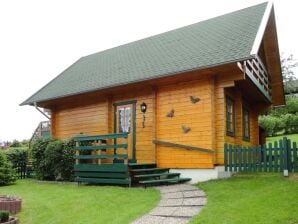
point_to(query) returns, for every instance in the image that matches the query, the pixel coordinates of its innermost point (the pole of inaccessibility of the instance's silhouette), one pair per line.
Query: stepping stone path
(178, 204)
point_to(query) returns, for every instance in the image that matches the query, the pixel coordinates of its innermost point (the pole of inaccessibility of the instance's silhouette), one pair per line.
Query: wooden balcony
(258, 74)
(43, 130)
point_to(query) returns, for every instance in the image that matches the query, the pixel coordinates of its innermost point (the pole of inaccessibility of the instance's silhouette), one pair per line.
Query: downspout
(43, 113)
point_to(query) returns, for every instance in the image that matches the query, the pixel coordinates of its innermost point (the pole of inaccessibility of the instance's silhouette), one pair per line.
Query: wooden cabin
(179, 95)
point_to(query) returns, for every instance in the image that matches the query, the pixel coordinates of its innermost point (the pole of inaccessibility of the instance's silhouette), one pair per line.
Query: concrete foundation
(200, 175)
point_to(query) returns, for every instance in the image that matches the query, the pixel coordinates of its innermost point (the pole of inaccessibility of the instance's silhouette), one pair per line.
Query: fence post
(270, 157)
(275, 157)
(285, 154)
(226, 156)
(235, 158)
(230, 157)
(295, 157)
(289, 159)
(259, 150)
(265, 157)
(240, 163)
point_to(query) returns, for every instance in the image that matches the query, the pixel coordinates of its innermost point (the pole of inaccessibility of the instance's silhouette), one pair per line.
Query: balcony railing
(258, 74)
(43, 130)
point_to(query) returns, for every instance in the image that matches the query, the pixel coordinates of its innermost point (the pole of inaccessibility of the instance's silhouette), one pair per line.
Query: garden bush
(17, 156)
(7, 173)
(52, 159)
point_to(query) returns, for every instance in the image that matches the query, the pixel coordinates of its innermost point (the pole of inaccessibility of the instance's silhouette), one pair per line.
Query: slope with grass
(68, 203)
(293, 137)
(256, 198)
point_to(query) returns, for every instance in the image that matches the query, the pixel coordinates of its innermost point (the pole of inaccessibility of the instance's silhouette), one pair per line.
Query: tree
(271, 124)
(284, 119)
(7, 173)
(281, 118)
(287, 65)
(15, 143)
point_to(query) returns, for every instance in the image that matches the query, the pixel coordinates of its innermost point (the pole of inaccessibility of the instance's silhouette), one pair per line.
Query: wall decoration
(185, 129)
(194, 99)
(171, 113)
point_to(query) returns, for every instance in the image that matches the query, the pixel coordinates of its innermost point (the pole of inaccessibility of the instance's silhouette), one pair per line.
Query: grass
(53, 203)
(255, 198)
(293, 137)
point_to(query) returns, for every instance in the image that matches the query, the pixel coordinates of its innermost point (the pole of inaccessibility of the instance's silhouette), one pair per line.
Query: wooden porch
(104, 159)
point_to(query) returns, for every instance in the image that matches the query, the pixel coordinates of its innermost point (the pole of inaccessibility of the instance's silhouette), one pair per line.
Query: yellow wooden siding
(93, 115)
(87, 119)
(195, 116)
(221, 83)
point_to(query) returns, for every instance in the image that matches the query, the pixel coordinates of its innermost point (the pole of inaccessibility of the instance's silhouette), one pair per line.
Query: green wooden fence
(277, 157)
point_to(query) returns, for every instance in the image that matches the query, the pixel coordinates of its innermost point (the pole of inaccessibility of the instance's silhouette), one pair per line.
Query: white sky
(39, 39)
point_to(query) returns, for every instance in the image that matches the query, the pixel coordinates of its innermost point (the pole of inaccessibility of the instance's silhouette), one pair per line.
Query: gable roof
(220, 40)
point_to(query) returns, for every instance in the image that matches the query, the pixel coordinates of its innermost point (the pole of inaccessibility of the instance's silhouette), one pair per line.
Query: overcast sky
(39, 39)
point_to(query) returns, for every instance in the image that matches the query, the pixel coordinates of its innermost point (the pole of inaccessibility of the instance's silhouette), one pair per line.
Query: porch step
(148, 174)
(150, 170)
(157, 175)
(142, 165)
(169, 180)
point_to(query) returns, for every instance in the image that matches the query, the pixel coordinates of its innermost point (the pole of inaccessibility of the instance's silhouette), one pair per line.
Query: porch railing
(100, 159)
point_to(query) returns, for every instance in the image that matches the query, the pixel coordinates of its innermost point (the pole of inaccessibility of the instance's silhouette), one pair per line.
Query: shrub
(17, 156)
(7, 173)
(4, 216)
(67, 162)
(52, 159)
(38, 149)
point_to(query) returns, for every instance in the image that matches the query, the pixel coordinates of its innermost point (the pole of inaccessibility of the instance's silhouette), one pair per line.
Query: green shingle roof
(219, 40)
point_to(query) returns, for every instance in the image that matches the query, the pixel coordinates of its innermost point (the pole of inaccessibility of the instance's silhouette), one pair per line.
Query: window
(230, 112)
(124, 119)
(245, 116)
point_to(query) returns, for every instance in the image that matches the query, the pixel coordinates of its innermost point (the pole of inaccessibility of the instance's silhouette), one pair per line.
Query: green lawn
(68, 203)
(252, 199)
(293, 137)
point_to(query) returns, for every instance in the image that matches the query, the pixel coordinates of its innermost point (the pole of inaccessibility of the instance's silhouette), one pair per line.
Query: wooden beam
(188, 147)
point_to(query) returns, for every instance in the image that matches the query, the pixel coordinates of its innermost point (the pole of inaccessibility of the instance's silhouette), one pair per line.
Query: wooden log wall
(92, 114)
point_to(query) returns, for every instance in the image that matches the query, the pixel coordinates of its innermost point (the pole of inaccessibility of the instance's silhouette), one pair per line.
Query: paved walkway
(178, 204)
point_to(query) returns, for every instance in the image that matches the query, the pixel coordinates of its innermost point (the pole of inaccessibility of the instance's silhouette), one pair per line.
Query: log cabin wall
(90, 117)
(92, 114)
(195, 116)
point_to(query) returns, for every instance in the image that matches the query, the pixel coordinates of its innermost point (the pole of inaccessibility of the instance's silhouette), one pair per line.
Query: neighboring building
(203, 85)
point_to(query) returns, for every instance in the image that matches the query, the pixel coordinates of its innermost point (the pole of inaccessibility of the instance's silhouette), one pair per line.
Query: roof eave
(32, 103)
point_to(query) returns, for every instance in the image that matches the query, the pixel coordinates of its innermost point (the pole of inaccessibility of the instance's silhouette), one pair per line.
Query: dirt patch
(294, 177)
